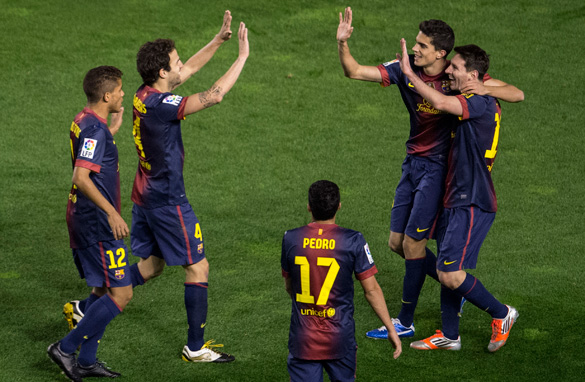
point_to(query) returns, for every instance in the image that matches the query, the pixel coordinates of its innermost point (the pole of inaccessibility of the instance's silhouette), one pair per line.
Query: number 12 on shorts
(120, 254)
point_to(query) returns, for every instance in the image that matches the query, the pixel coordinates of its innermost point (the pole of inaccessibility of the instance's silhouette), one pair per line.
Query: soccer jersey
(157, 135)
(92, 147)
(472, 155)
(320, 260)
(430, 129)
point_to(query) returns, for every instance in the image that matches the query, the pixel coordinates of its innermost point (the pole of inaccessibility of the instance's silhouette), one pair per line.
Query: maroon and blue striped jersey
(92, 147)
(320, 260)
(430, 129)
(159, 144)
(473, 151)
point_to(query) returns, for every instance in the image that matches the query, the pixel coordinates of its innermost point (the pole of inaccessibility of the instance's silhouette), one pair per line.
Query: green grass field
(293, 118)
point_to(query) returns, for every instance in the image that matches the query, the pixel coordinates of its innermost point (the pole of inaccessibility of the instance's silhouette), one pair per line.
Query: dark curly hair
(152, 57)
(323, 199)
(98, 81)
(475, 58)
(441, 35)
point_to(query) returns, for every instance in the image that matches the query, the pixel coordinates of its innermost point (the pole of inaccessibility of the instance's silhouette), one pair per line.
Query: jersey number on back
(492, 153)
(305, 295)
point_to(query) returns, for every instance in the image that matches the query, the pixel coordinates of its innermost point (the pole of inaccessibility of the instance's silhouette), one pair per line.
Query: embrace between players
(437, 197)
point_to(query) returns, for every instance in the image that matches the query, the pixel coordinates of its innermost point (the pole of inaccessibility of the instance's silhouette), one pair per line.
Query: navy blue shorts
(461, 232)
(104, 264)
(302, 370)
(418, 198)
(172, 233)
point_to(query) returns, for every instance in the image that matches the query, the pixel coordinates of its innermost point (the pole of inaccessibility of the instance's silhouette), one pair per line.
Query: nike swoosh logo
(450, 262)
(421, 230)
(203, 325)
(410, 85)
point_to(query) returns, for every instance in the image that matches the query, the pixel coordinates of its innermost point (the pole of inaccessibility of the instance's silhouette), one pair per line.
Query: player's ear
(309, 208)
(339, 206)
(162, 73)
(107, 96)
(441, 54)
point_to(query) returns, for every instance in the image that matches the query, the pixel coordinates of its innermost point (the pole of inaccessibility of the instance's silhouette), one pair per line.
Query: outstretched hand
(225, 32)
(404, 59)
(243, 40)
(344, 29)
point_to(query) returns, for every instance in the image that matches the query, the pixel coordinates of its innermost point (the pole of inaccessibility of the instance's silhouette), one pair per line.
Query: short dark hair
(98, 81)
(441, 34)
(324, 199)
(475, 58)
(152, 57)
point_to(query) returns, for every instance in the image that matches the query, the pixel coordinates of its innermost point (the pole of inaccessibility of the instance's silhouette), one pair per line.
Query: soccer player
(470, 201)
(165, 230)
(418, 196)
(96, 229)
(318, 261)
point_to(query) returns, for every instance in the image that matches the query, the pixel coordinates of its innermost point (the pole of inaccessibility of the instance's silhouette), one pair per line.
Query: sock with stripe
(450, 305)
(196, 305)
(94, 323)
(414, 278)
(135, 276)
(474, 291)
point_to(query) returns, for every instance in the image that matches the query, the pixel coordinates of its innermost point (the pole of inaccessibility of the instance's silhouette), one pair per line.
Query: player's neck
(100, 108)
(161, 86)
(329, 221)
(436, 68)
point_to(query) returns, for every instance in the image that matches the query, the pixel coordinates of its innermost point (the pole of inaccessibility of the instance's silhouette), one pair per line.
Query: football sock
(431, 264)
(135, 276)
(414, 278)
(450, 303)
(85, 304)
(474, 291)
(196, 305)
(88, 351)
(96, 318)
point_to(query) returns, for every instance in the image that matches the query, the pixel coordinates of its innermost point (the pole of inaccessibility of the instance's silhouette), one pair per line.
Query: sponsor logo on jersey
(88, 148)
(326, 313)
(426, 107)
(173, 100)
(390, 62)
(368, 253)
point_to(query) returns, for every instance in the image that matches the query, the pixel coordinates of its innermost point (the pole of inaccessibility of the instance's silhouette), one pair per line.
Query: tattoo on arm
(208, 97)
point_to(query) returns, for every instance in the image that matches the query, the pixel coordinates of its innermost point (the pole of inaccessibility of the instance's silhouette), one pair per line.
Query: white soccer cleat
(206, 354)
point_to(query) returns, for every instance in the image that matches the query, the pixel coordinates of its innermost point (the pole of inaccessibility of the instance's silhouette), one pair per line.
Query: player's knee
(395, 245)
(448, 279)
(197, 272)
(122, 296)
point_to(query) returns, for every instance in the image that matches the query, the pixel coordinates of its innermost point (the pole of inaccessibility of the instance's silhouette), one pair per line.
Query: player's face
(425, 53)
(457, 73)
(116, 98)
(175, 72)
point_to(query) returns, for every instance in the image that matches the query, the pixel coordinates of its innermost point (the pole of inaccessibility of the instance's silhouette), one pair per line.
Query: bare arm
(496, 88)
(214, 95)
(116, 121)
(375, 297)
(84, 184)
(350, 66)
(199, 59)
(288, 286)
(450, 104)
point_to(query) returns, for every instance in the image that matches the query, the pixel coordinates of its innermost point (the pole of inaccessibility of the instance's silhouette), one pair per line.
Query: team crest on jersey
(390, 62)
(88, 148)
(368, 253)
(446, 86)
(200, 248)
(119, 274)
(173, 100)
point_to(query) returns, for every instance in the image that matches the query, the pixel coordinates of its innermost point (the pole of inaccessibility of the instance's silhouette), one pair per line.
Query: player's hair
(98, 81)
(152, 57)
(475, 58)
(323, 199)
(441, 35)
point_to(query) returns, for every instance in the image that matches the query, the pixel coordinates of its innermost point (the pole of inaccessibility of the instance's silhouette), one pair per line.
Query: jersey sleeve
(283, 260)
(92, 146)
(472, 104)
(364, 263)
(391, 72)
(171, 107)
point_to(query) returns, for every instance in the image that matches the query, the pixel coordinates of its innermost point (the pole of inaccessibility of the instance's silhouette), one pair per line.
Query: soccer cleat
(501, 329)
(382, 332)
(437, 341)
(73, 313)
(98, 369)
(66, 362)
(207, 354)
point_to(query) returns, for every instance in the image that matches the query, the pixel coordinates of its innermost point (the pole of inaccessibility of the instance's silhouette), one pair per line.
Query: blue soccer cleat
(382, 333)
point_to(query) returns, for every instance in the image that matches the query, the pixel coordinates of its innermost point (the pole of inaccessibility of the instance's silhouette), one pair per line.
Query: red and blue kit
(92, 147)
(320, 260)
(470, 199)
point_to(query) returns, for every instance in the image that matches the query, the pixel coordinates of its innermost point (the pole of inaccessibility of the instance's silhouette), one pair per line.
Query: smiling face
(425, 53)
(458, 74)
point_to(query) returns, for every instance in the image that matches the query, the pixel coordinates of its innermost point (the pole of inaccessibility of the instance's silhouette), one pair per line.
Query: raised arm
(449, 104)
(350, 66)
(375, 298)
(497, 89)
(215, 94)
(84, 184)
(199, 59)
